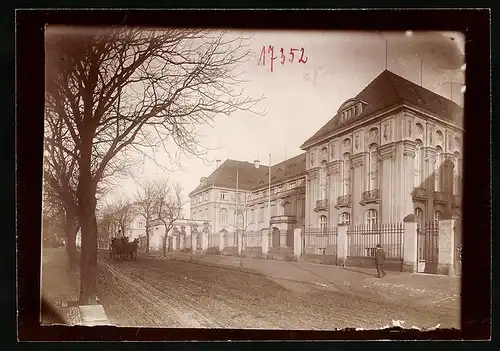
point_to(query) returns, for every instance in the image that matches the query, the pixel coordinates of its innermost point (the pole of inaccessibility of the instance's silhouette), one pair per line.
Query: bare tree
(145, 205)
(123, 89)
(168, 206)
(123, 214)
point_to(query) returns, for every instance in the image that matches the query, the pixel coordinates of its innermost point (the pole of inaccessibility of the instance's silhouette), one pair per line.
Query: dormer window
(352, 110)
(287, 173)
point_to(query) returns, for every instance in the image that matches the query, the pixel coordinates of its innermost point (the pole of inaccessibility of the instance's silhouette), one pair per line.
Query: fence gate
(428, 247)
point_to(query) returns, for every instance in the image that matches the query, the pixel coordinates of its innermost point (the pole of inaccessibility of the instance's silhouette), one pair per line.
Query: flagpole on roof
(386, 45)
(421, 71)
(269, 190)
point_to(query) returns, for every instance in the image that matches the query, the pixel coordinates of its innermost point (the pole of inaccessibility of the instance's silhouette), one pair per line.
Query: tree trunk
(86, 212)
(71, 231)
(165, 238)
(147, 239)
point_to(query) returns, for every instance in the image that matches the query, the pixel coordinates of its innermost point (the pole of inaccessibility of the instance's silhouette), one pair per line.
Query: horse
(131, 249)
(117, 246)
(122, 249)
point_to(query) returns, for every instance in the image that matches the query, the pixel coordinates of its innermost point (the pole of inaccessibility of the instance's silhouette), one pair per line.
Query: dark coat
(379, 256)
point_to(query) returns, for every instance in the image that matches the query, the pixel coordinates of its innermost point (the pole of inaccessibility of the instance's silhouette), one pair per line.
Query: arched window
(372, 167)
(437, 216)
(223, 215)
(456, 171)
(322, 180)
(419, 215)
(346, 174)
(417, 178)
(437, 169)
(372, 218)
(323, 223)
(287, 208)
(344, 218)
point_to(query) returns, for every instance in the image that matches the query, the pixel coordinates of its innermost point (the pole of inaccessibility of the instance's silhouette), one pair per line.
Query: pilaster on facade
(409, 147)
(429, 154)
(333, 167)
(358, 159)
(312, 173)
(387, 151)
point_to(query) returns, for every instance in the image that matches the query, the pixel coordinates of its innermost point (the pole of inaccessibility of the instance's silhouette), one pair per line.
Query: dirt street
(169, 293)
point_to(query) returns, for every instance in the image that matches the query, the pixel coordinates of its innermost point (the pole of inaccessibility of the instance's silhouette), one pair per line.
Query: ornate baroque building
(393, 150)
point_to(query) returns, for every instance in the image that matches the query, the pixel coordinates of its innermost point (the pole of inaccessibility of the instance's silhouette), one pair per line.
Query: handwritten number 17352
(294, 54)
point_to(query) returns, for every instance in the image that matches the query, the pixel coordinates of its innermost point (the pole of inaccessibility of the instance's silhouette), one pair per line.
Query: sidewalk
(426, 290)
(60, 286)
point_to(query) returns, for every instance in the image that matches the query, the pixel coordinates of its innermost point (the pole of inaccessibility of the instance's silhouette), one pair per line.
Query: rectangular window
(223, 195)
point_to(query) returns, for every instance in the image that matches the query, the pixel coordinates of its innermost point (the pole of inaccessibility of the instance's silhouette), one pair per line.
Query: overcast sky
(302, 97)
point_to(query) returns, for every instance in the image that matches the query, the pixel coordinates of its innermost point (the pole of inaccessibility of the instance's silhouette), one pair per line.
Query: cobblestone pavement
(171, 293)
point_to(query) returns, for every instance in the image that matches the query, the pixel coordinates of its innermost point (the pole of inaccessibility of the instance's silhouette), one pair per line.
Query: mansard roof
(283, 171)
(390, 90)
(225, 176)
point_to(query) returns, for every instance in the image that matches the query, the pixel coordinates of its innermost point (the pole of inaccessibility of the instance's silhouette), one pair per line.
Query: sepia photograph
(252, 179)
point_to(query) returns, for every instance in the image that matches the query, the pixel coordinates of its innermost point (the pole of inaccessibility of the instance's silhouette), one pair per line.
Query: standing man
(379, 261)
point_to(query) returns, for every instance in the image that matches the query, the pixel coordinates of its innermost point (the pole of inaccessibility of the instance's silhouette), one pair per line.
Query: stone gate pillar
(410, 240)
(446, 261)
(342, 248)
(297, 242)
(265, 241)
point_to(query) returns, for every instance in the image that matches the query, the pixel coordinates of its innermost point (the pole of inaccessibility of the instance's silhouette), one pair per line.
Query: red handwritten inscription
(293, 54)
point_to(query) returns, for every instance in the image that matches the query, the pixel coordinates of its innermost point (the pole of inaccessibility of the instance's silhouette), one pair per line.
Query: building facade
(236, 197)
(394, 149)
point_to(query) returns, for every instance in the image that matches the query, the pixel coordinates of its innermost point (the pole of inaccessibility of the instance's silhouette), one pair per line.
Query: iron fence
(213, 239)
(188, 242)
(363, 240)
(252, 239)
(428, 242)
(320, 241)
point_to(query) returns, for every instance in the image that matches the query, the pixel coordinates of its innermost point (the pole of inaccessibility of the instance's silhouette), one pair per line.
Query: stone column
(174, 242)
(447, 171)
(428, 168)
(194, 239)
(386, 187)
(446, 262)
(297, 242)
(358, 175)
(265, 242)
(221, 241)
(342, 248)
(204, 240)
(406, 180)
(410, 242)
(333, 192)
(307, 200)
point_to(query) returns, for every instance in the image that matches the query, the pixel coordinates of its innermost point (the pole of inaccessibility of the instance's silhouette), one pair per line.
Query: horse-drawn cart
(122, 249)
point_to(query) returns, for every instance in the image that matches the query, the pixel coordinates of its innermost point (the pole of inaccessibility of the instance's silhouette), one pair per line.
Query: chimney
(217, 163)
(257, 163)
